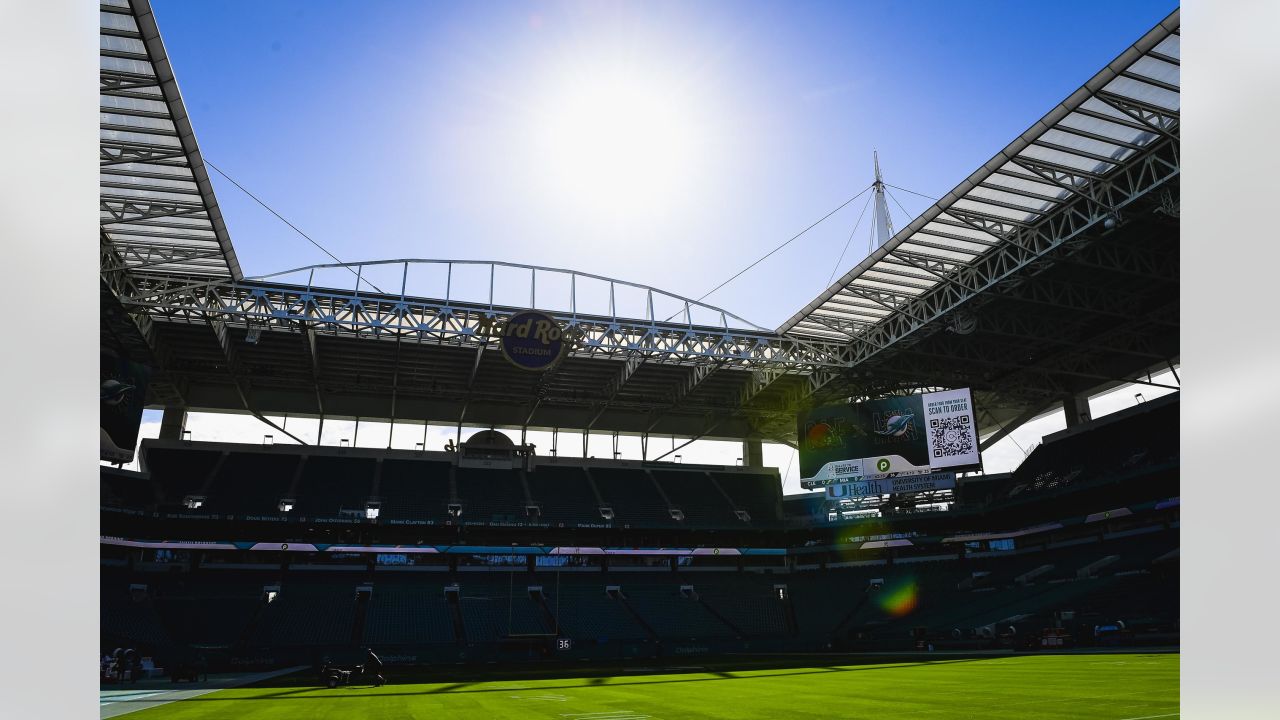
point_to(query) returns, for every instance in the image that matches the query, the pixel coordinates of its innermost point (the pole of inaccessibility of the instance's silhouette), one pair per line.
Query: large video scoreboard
(887, 439)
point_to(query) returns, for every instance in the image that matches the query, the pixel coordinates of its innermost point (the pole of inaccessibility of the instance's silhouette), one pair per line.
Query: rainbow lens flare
(899, 598)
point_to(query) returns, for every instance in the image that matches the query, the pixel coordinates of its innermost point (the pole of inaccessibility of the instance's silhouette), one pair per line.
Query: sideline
(116, 702)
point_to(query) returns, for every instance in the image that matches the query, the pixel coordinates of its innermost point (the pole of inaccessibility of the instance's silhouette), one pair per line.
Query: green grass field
(1110, 687)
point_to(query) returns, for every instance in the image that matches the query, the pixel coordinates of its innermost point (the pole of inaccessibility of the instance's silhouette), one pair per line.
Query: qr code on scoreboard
(951, 436)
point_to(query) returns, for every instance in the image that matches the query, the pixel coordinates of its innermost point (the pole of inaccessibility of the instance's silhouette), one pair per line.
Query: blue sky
(669, 144)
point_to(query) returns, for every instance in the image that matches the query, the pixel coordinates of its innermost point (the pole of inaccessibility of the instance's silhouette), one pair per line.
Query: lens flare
(620, 138)
(899, 598)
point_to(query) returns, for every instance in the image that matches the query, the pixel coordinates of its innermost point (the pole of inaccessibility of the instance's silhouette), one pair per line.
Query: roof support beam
(313, 353)
(223, 334)
(709, 429)
(395, 389)
(616, 384)
(471, 381)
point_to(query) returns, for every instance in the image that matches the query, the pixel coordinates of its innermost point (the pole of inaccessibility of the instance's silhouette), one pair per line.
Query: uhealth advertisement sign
(888, 438)
(900, 485)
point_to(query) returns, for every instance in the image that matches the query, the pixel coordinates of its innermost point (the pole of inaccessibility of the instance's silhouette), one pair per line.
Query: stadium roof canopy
(1050, 272)
(157, 207)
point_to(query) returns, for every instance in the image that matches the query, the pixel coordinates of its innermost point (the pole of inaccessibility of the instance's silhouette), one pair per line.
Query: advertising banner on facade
(899, 485)
(888, 438)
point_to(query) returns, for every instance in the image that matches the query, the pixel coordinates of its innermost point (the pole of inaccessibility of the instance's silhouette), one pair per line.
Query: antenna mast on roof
(884, 225)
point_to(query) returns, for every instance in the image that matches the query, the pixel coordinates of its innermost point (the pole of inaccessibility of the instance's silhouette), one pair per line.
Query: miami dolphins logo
(896, 425)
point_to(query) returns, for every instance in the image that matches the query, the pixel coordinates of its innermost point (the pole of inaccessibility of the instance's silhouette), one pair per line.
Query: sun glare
(619, 142)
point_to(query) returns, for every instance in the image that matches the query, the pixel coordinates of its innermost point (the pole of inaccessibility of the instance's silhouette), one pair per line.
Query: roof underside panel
(157, 210)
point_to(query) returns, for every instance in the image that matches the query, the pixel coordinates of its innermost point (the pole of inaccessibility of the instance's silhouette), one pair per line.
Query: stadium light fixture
(455, 510)
(268, 439)
(193, 502)
(606, 512)
(372, 510)
(186, 436)
(286, 505)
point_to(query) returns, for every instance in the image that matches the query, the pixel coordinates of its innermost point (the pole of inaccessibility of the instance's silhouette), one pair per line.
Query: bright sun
(619, 142)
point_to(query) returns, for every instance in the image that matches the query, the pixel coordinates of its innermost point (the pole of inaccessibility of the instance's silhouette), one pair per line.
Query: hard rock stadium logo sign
(532, 340)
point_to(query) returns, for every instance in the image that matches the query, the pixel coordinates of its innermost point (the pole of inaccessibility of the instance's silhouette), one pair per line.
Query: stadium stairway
(746, 604)
(361, 616)
(622, 600)
(455, 614)
(670, 613)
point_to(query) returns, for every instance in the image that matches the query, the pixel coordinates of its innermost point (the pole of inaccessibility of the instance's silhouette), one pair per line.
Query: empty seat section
(586, 612)
(702, 504)
(252, 483)
(179, 472)
(408, 615)
(126, 490)
(491, 495)
(1139, 552)
(414, 490)
(760, 495)
(747, 602)
(564, 494)
(823, 599)
(632, 496)
(309, 612)
(126, 619)
(671, 614)
(482, 617)
(495, 605)
(333, 487)
(213, 621)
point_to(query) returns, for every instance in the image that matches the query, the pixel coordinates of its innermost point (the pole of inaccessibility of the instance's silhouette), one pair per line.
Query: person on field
(373, 666)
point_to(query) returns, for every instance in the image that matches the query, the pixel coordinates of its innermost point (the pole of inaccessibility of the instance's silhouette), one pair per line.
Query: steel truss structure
(268, 306)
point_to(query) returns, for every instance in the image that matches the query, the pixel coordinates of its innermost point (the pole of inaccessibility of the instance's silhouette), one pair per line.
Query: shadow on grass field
(305, 682)
(1101, 687)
